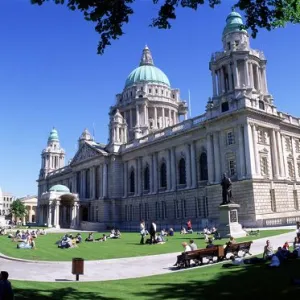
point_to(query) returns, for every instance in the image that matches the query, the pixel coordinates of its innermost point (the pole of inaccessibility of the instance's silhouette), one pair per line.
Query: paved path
(111, 269)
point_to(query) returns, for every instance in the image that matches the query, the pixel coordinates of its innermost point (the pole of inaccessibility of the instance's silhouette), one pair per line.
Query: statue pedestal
(228, 224)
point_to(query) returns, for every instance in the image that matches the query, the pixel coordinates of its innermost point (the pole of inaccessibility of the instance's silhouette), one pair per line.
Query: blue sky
(50, 74)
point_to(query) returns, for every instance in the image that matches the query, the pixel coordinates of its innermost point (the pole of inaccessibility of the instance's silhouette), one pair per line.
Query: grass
(127, 246)
(214, 282)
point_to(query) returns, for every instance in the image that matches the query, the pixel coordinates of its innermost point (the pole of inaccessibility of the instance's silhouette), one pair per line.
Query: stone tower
(53, 156)
(238, 73)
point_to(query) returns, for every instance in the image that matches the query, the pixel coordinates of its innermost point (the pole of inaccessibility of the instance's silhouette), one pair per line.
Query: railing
(289, 119)
(185, 125)
(59, 171)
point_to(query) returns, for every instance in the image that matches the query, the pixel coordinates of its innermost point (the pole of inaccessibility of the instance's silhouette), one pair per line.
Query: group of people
(155, 237)
(188, 229)
(25, 239)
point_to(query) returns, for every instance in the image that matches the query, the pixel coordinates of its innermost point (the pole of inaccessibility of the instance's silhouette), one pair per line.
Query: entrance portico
(59, 208)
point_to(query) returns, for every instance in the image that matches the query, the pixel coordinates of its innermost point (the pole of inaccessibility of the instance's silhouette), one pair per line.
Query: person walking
(152, 232)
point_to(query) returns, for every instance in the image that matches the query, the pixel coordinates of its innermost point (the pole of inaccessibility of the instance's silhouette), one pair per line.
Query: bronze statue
(226, 190)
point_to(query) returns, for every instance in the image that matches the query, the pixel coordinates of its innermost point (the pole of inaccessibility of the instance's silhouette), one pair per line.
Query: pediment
(85, 152)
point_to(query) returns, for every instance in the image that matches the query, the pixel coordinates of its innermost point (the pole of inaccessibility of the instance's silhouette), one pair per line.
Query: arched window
(261, 105)
(203, 167)
(131, 182)
(182, 172)
(163, 175)
(146, 178)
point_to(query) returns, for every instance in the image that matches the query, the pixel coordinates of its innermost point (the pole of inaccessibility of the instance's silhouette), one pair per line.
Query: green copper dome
(234, 22)
(53, 136)
(147, 72)
(59, 188)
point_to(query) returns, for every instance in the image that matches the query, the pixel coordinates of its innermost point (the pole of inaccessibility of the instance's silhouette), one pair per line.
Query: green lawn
(127, 246)
(214, 282)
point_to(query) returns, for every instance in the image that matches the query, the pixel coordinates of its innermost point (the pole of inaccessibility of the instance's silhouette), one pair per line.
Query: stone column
(236, 75)
(155, 173)
(280, 154)
(151, 175)
(260, 86)
(193, 165)
(140, 176)
(256, 155)
(155, 117)
(137, 115)
(170, 118)
(246, 73)
(241, 152)
(168, 169)
(219, 82)
(50, 215)
(136, 177)
(264, 75)
(101, 180)
(217, 157)
(131, 118)
(83, 186)
(250, 75)
(213, 75)
(173, 168)
(77, 215)
(92, 182)
(274, 154)
(104, 178)
(145, 115)
(230, 77)
(250, 166)
(57, 204)
(210, 158)
(222, 80)
(30, 214)
(125, 181)
(163, 117)
(295, 158)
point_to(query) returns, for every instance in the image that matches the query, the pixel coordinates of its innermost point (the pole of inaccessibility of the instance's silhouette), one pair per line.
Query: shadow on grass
(250, 282)
(62, 294)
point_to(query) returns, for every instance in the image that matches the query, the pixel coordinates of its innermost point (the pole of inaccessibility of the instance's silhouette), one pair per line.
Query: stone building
(30, 203)
(159, 165)
(6, 199)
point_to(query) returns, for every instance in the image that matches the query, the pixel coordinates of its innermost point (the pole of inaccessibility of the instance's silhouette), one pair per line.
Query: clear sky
(50, 74)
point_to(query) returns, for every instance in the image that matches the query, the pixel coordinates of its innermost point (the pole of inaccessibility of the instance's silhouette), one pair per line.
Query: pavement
(112, 269)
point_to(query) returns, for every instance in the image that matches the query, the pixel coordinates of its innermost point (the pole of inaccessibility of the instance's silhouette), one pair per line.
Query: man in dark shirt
(6, 292)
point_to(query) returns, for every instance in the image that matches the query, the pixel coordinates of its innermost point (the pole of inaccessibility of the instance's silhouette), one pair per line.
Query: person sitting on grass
(90, 238)
(43, 232)
(171, 232)
(268, 251)
(78, 238)
(101, 239)
(163, 232)
(183, 230)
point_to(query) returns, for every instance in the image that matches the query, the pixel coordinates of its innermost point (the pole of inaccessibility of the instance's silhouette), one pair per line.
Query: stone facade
(159, 165)
(6, 199)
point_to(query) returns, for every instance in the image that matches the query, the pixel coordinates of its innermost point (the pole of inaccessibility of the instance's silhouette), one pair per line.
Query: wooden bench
(198, 255)
(236, 248)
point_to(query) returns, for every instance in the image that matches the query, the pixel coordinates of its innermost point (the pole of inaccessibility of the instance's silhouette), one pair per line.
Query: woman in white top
(143, 232)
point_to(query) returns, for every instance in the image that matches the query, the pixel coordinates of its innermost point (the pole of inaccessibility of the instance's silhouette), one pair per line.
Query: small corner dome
(59, 188)
(147, 72)
(234, 22)
(53, 135)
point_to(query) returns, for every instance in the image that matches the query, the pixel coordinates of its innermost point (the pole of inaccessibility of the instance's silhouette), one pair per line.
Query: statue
(226, 190)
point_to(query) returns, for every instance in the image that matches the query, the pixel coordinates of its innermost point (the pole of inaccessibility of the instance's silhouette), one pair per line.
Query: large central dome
(147, 72)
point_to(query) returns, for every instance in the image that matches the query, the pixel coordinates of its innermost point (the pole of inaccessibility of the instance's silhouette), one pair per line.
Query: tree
(111, 15)
(18, 209)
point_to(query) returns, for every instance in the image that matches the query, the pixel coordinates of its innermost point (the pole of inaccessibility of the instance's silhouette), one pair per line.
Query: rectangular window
(291, 170)
(225, 106)
(273, 200)
(205, 207)
(130, 212)
(230, 138)
(198, 207)
(141, 211)
(183, 208)
(176, 209)
(297, 145)
(231, 167)
(264, 166)
(157, 210)
(150, 91)
(296, 203)
(164, 210)
(288, 144)
(147, 215)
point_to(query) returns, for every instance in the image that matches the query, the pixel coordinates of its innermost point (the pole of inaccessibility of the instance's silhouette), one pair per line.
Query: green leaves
(18, 209)
(111, 15)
